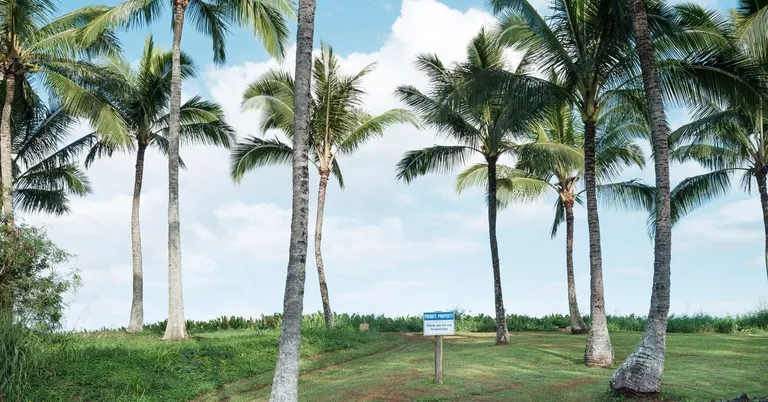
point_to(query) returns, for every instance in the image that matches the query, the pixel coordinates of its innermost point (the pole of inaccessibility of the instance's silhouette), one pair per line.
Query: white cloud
(733, 223)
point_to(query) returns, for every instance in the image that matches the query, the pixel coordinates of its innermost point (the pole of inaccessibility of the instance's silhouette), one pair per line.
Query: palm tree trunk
(502, 334)
(327, 312)
(641, 372)
(285, 385)
(763, 188)
(137, 306)
(599, 352)
(176, 328)
(6, 158)
(577, 323)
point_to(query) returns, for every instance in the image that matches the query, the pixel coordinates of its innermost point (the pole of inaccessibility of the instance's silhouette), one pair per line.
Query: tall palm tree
(590, 45)
(466, 105)
(285, 384)
(641, 372)
(339, 126)
(141, 97)
(585, 43)
(213, 18)
(615, 150)
(34, 46)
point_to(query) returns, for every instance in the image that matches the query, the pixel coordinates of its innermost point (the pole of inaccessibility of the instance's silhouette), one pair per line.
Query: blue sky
(389, 247)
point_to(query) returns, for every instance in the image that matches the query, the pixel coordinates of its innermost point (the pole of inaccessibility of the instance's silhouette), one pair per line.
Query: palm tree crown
(142, 98)
(45, 173)
(268, 19)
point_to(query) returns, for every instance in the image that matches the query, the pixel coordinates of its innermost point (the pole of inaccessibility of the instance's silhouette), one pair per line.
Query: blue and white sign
(439, 323)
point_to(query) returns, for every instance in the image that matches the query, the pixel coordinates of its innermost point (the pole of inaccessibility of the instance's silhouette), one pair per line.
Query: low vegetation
(756, 322)
(118, 366)
(347, 365)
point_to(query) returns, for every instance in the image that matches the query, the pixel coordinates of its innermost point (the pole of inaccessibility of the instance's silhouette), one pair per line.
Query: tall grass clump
(20, 353)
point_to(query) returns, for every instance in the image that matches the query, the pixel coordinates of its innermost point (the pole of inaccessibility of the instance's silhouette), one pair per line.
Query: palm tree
(586, 44)
(641, 372)
(50, 51)
(589, 43)
(468, 105)
(615, 150)
(141, 97)
(212, 18)
(45, 173)
(338, 126)
(285, 384)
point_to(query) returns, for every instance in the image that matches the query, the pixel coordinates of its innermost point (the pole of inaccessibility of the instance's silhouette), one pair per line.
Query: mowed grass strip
(117, 366)
(536, 367)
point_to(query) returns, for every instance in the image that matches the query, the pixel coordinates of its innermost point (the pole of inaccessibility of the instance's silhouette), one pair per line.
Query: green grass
(534, 367)
(346, 365)
(116, 366)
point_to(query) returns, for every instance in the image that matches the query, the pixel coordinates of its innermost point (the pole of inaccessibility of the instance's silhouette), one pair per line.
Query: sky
(389, 248)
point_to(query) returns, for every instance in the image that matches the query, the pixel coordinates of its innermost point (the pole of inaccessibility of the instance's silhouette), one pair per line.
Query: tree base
(175, 334)
(502, 338)
(579, 331)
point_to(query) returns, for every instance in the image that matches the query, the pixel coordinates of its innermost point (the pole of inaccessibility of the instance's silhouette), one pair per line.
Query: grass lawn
(116, 366)
(352, 366)
(534, 367)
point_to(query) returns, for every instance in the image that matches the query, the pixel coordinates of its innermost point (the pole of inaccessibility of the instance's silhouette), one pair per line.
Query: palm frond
(253, 152)
(438, 158)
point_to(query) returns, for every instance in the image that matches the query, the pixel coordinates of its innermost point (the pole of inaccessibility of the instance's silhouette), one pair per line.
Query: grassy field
(116, 366)
(534, 367)
(352, 366)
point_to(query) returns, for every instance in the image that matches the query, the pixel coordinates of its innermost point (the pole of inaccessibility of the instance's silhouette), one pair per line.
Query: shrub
(30, 285)
(466, 322)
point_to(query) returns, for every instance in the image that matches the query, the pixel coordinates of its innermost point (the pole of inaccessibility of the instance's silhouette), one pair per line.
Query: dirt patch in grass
(418, 359)
(393, 388)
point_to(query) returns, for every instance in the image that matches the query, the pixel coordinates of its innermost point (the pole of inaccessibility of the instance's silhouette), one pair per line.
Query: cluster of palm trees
(565, 121)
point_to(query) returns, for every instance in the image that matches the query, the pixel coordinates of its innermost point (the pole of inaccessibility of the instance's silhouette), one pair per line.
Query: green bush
(30, 284)
(698, 323)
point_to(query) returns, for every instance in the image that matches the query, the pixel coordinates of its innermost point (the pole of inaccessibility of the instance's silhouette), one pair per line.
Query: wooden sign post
(439, 359)
(439, 324)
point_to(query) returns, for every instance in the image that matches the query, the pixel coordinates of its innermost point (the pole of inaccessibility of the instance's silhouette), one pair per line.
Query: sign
(439, 323)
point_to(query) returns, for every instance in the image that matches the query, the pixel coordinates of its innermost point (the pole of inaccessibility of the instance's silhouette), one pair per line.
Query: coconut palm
(338, 126)
(641, 371)
(142, 99)
(285, 383)
(590, 44)
(212, 18)
(468, 105)
(729, 135)
(36, 47)
(615, 150)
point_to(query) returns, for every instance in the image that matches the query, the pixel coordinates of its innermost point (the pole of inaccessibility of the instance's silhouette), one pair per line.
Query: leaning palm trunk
(599, 352)
(137, 306)
(285, 385)
(641, 372)
(763, 189)
(176, 329)
(502, 334)
(327, 312)
(577, 323)
(6, 158)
